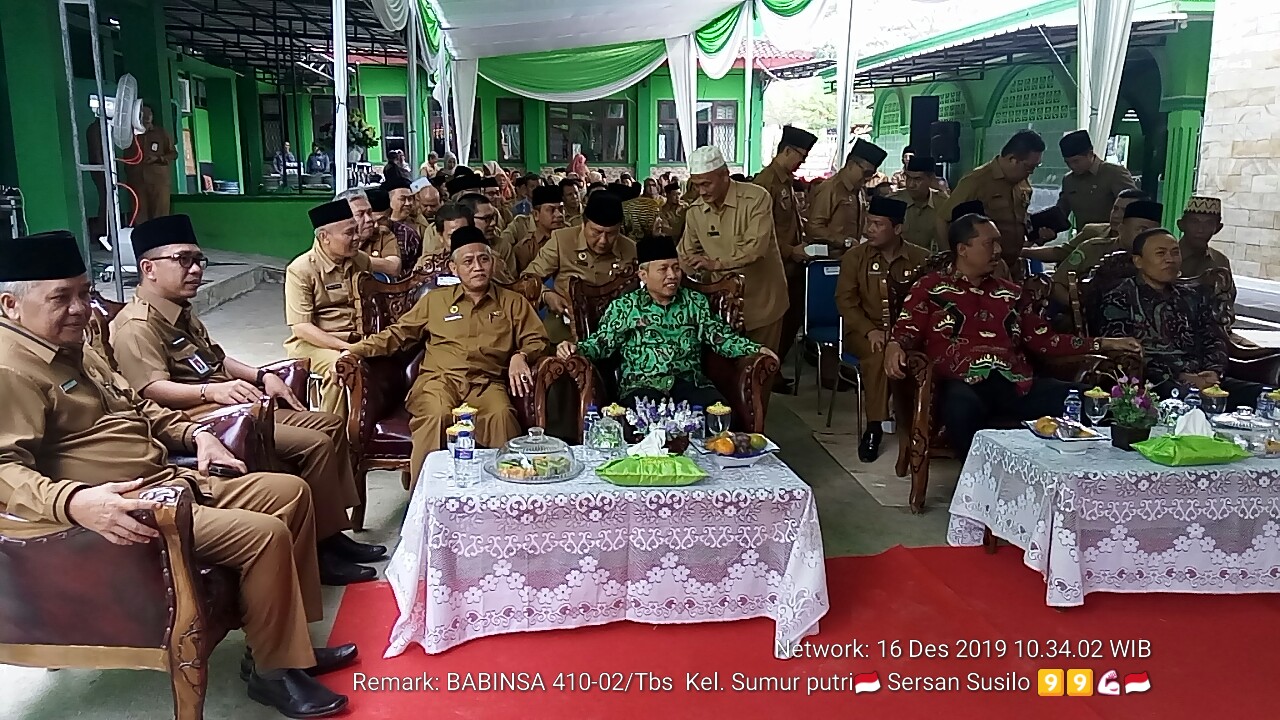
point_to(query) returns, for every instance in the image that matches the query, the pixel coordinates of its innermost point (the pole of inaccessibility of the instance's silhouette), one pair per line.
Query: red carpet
(1208, 654)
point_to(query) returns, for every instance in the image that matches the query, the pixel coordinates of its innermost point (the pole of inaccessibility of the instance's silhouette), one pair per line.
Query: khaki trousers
(875, 383)
(794, 319)
(314, 447)
(431, 403)
(769, 335)
(153, 185)
(262, 526)
(333, 397)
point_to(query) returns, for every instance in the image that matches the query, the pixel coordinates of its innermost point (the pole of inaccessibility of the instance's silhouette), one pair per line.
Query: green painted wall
(729, 87)
(204, 145)
(224, 129)
(275, 225)
(39, 157)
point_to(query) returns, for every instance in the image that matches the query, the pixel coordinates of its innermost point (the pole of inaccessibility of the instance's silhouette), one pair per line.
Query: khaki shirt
(466, 342)
(383, 244)
(858, 289)
(522, 237)
(1091, 196)
(71, 422)
(566, 255)
(321, 292)
(787, 223)
(671, 220)
(740, 236)
(838, 211)
(1088, 232)
(423, 226)
(154, 339)
(1082, 261)
(572, 219)
(1004, 202)
(432, 243)
(920, 227)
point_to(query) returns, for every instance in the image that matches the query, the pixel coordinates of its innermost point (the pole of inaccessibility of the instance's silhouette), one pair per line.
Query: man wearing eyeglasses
(166, 354)
(484, 215)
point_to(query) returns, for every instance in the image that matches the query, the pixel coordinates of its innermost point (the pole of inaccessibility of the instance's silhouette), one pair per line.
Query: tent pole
(748, 71)
(412, 112)
(844, 76)
(340, 172)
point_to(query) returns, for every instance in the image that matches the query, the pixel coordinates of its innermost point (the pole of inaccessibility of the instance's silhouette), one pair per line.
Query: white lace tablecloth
(1112, 521)
(502, 557)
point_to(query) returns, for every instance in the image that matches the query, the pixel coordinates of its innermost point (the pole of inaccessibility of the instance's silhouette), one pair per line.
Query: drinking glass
(1095, 408)
(717, 424)
(1213, 404)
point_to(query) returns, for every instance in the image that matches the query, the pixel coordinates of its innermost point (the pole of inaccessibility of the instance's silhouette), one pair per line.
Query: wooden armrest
(295, 373)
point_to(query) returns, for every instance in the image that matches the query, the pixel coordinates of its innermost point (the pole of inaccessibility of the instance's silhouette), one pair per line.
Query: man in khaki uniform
(571, 191)
(78, 445)
(779, 178)
(920, 224)
(152, 178)
(670, 222)
(377, 239)
(1090, 190)
(595, 251)
(1003, 188)
(1058, 250)
(491, 189)
(837, 207)
(481, 340)
(729, 229)
(426, 204)
(858, 296)
(485, 217)
(166, 354)
(1139, 215)
(449, 217)
(528, 233)
(319, 298)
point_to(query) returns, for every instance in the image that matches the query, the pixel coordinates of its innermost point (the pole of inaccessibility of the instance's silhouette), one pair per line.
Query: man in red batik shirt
(979, 329)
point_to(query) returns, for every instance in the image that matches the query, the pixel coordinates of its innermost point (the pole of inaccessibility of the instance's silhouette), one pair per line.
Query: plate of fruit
(737, 449)
(535, 468)
(1062, 429)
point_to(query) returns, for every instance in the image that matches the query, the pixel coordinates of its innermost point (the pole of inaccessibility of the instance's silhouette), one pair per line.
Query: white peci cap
(418, 184)
(706, 159)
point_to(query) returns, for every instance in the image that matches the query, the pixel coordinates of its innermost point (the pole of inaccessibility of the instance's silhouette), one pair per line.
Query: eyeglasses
(186, 260)
(485, 218)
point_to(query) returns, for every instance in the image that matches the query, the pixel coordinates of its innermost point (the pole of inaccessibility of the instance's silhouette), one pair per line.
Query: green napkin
(643, 471)
(1179, 450)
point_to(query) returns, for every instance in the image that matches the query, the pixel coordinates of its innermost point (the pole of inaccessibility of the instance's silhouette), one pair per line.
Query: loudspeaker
(924, 113)
(944, 141)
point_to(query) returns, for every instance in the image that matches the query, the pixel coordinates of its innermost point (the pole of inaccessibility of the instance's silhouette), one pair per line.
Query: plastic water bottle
(1194, 402)
(466, 464)
(1266, 406)
(593, 414)
(699, 432)
(1071, 408)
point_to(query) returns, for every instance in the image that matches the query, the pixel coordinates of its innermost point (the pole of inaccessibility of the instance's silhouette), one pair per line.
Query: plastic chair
(1037, 267)
(822, 324)
(851, 362)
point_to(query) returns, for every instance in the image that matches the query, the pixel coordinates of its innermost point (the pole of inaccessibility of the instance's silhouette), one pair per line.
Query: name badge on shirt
(334, 286)
(69, 385)
(713, 232)
(495, 314)
(178, 341)
(453, 314)
(198, 364)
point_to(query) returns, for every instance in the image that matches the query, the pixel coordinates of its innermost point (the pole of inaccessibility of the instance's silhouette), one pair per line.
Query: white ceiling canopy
(490, 28)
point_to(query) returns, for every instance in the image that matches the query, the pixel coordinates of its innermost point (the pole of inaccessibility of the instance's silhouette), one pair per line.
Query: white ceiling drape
(717, 65)
(683, 62)
(464, 105)
(585, 94)
(1104, 27)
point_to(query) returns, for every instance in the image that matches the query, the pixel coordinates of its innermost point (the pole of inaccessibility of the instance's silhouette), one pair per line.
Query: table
(503, 557)
(1261, 338)
(1112, 521)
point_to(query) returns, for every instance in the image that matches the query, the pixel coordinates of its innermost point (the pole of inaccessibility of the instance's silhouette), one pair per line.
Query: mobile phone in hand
(225, 471)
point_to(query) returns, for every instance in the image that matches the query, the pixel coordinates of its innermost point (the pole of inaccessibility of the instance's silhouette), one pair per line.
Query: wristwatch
(199, 431)
(262, 374)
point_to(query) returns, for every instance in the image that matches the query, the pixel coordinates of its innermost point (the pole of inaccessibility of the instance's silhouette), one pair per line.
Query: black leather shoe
(869, 448)
(352, 551)
(783, 386)
(328, 659)
(296, 695)
(336, 571)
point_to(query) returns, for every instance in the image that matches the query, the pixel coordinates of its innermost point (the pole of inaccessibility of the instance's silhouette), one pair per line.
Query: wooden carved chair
(378, 421)
(926, 440)
(1255, 364)
(745, 382)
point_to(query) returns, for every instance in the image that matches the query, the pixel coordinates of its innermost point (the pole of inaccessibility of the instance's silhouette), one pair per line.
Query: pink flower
(1144, 402)
(1123, 379)
(1116, 392)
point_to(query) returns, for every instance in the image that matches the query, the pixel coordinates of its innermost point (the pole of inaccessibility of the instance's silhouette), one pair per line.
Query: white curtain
(715, 66)
(464, 104)
(1104, 42)
(795, 32)
(442, 90)
(393, 14)
(592, 93)
(846, 65)
(682, 60)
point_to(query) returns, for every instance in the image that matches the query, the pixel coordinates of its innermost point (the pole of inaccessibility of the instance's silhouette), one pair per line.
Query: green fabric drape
(430, 25)
(785, 8)
(714, 36)
(563, 71)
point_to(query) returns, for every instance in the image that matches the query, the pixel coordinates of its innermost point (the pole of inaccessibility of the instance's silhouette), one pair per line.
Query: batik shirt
(976, 331)
(1176, 327)
(659, 345)
(410, 244)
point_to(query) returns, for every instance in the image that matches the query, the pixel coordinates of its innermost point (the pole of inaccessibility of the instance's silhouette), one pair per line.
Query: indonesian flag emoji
(1109, 684)
(1136, 683)
(866, 683)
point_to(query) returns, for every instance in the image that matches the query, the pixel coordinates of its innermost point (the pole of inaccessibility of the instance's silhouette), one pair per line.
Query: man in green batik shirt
(659, 331)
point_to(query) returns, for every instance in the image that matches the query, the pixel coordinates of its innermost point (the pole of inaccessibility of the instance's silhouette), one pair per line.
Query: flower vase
(354, 154)
(1124, 437)
(677, 443)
